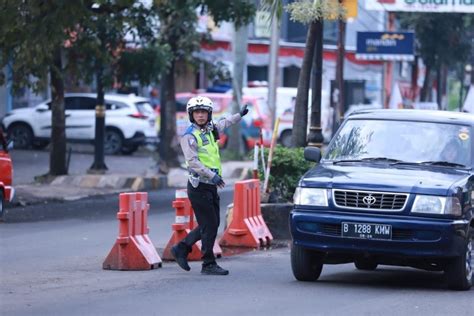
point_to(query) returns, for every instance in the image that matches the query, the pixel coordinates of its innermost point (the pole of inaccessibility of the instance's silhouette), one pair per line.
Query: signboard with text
(461, 6)
(385, 46)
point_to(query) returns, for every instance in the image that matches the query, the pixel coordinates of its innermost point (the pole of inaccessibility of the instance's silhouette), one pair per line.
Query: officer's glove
(244, 110)
(217, 180)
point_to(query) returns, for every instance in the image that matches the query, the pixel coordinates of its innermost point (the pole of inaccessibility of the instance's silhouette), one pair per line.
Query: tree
(104, 54)
(443, 41)
(312, 13)
(177, 30)
(32, 39)
(239, 50)
(275, 7)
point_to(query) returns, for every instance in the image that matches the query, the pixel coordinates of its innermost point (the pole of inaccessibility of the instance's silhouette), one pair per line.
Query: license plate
(366, 231)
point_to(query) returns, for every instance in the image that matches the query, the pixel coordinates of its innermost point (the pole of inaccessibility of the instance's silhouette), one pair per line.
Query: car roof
(110, 96)
(415, 115)
(215, 95)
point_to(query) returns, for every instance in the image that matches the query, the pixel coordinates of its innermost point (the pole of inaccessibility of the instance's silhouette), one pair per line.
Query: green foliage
(30, 33)
(288, 165)
(144, 65)
(240, 12)
(307, 11)
(443, 37)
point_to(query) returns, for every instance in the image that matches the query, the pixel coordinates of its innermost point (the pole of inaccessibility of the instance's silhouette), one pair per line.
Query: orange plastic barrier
(133, 249)
(247, 229)
(184, 223)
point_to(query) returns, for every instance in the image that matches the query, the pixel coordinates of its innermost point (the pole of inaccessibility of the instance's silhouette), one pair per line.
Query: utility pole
(315, 136)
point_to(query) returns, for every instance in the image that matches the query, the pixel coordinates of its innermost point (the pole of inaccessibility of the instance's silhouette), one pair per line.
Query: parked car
(7, 192)
(129, 120)
(285, 109)
(258, 118)
(394, 187)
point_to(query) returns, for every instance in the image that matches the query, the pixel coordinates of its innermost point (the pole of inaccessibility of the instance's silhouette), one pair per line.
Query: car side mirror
(312, 154)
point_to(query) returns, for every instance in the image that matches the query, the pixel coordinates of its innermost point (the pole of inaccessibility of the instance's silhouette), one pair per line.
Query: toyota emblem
(369, 200)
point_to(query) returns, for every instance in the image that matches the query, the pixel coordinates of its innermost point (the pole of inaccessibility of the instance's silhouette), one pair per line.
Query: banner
(385, 46)
(460, 6)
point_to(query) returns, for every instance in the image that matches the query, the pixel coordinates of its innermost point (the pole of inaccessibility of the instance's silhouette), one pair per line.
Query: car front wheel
(306, 264)
(459, 272)
(285, 138)
(21, 135)
(113, 142)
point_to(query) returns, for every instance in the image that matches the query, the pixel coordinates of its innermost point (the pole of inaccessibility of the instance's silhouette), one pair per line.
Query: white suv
(129, 121)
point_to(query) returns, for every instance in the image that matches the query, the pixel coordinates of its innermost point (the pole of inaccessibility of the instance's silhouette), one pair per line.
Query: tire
(306, 264)
(113, 143)
(1, 204)
(21, 135)
(459, 272)
(129, 150)
(285, 138)
(365, 264)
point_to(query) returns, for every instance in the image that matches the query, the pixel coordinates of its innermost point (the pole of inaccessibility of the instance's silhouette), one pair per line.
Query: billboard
(385, 46)
(460, 6)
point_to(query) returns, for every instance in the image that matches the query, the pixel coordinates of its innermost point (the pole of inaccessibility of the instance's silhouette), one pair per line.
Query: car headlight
(310, 197)
(440, 205)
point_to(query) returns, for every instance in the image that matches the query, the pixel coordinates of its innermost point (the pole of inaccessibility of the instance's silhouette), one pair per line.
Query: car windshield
(402, 142)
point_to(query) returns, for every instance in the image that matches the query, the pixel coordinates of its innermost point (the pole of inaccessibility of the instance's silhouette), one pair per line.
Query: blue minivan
(394, 187)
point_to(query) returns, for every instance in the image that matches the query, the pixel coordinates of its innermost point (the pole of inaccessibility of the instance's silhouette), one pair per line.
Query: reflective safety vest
(208, 150)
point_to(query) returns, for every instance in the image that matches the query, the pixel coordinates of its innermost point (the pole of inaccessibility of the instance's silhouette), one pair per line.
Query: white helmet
(199, 103)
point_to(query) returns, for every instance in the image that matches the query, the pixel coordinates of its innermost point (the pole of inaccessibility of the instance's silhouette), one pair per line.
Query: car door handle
(67, 115)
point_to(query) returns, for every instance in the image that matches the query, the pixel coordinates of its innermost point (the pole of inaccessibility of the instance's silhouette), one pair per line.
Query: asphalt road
(54, 267)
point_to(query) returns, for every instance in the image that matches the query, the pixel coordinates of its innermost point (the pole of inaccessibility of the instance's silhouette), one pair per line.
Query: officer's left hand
(244, 110)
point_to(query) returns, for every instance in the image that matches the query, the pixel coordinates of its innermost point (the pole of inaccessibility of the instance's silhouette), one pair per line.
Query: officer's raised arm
(223, 123)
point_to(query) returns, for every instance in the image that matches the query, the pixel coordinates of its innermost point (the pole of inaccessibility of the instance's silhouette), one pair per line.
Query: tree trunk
(315, 135)
(426, 84)
(239, 49)
(57, 158)
(98, 166)
(169, 144)
(300, 119)
(273, 71)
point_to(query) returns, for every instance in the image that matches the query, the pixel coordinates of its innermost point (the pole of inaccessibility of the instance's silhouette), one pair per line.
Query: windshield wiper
(368, 159)
(442, 163)
(381, 159)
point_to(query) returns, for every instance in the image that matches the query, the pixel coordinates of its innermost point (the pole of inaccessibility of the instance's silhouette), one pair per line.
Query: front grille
(367, 200)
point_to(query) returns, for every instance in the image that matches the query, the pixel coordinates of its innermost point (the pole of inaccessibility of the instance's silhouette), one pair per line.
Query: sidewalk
(119, 178)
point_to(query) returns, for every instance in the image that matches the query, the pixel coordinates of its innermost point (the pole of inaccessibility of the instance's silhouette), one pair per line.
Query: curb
(112, 182)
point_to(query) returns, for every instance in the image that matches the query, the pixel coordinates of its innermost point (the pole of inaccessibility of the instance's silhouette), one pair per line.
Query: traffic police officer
(201, 151)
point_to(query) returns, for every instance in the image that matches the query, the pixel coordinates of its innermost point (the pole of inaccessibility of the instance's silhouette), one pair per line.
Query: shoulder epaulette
(189, 130)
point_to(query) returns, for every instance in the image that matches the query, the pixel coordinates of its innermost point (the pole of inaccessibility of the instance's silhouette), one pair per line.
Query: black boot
(180, 254)
(213, 269)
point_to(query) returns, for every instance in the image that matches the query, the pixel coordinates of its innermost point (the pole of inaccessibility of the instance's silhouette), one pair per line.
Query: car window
(144, 107)
(113, 105)
(181, 105)
(402, 140)
(80, 103)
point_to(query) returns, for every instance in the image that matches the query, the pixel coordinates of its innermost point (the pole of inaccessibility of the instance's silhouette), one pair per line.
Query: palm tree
(311, 12)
